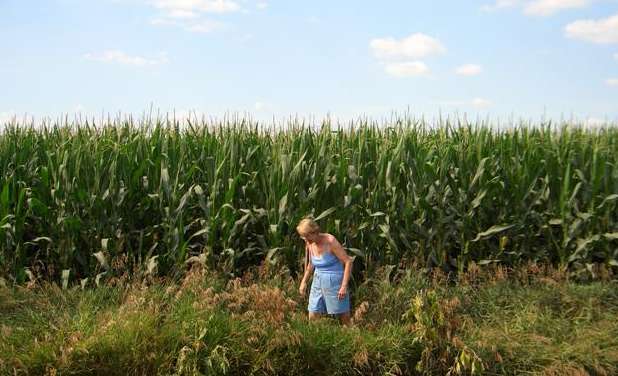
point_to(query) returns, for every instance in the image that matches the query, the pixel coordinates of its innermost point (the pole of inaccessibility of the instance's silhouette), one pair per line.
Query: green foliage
(151, 194)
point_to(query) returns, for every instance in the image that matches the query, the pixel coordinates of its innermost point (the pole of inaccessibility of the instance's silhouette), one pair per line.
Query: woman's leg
(316, 304)
(332, 301)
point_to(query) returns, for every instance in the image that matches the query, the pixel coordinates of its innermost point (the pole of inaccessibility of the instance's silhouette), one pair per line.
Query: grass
(493, 320)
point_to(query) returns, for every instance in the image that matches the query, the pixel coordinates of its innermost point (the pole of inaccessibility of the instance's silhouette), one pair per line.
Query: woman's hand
(342, 291)
(302, 288)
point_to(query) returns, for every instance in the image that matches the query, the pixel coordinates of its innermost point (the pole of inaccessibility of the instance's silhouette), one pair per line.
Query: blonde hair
(307, 226)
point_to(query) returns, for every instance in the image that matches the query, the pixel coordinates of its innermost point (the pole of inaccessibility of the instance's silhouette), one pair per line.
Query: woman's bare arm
(308, 267)
(343, 256)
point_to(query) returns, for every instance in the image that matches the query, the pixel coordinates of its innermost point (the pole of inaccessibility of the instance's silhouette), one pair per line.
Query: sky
(522, 59)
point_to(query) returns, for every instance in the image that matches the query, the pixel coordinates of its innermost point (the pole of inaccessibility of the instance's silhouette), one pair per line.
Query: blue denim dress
(327, 279)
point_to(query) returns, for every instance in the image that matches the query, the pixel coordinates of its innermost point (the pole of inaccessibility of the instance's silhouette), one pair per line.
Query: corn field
(77, 197)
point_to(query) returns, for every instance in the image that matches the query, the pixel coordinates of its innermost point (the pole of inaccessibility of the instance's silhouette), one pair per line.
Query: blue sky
(492, 58)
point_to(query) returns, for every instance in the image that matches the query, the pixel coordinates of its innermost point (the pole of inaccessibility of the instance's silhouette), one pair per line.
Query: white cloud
(194, 15)
(537, 7)
(194, 26)
(481, 102)
(406, 69)
(415, 46)
(612, 81)
(263, 109)
(119, 57)
(469, 70)
(500, 4)
(399, 56)
(549, 7)
(181, 13)
(204, 6)
(190, 15)
(602, 31)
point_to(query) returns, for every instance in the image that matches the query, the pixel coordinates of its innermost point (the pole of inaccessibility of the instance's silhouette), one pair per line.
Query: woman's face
(311, 237)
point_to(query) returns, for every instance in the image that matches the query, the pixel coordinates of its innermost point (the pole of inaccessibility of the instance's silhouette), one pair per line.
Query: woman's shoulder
(328, 239)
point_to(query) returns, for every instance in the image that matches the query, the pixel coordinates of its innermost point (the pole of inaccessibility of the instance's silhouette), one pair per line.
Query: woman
(329, 289)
